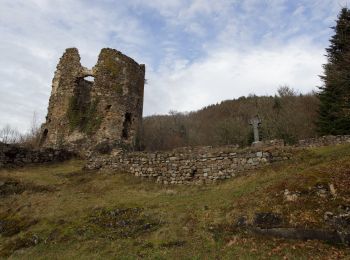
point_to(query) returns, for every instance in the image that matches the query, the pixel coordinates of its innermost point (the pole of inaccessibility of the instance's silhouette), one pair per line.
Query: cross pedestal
(256, 122)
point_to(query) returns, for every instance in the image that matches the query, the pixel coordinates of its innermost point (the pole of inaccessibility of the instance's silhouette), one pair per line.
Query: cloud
(34, 35)
(196, 52)
(228, 73)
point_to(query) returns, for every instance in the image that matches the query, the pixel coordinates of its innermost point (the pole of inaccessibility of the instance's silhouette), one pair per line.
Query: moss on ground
(104, 215)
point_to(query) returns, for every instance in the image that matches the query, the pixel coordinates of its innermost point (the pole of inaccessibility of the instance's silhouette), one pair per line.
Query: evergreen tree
(334, 112)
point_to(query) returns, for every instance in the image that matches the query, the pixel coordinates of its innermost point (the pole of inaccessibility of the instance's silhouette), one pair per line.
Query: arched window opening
(89, 78)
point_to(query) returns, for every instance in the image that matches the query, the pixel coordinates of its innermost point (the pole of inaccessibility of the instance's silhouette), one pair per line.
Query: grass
(98, 215)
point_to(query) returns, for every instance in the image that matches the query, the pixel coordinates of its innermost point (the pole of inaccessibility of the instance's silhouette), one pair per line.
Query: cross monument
(256, 122)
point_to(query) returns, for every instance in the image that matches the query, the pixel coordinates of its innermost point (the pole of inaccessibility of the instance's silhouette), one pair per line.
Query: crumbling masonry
(101, 114)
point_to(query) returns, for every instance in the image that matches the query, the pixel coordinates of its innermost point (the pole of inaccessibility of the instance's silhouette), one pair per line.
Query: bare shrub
(33, 137)
(10, 135)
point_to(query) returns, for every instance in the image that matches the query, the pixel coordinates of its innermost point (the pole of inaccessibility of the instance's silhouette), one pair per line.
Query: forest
(288, 115)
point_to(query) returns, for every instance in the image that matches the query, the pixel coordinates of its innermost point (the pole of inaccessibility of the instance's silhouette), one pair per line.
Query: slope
(60, 211)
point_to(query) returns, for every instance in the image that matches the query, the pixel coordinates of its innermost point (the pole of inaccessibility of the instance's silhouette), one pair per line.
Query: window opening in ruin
(193, 173)
(108, 107)
(44, 136)
(126, 125)
(89, 78)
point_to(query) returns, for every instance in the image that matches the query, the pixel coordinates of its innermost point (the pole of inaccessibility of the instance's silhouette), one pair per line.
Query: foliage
(334, 112)
(84, 118)
(286, 91)
(73, 113)
(288, 115)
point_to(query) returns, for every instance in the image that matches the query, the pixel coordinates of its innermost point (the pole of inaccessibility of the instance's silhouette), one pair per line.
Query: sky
(197, 52)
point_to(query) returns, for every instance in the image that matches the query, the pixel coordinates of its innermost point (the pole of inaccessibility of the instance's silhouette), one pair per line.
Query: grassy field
(62, 212)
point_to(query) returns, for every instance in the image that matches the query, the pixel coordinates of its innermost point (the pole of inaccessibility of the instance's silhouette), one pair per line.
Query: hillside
(60, 211)
(289, 116)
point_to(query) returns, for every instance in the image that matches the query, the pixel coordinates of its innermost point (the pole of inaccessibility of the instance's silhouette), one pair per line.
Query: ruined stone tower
(105, 112)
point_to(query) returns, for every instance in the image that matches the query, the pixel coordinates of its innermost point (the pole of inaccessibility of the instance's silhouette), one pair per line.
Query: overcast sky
(197, 52)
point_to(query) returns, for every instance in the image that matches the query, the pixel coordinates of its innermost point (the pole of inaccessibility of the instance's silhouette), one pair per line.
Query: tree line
(288, 115)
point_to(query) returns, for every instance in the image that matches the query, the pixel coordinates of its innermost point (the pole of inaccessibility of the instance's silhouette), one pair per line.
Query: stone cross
(255, 122)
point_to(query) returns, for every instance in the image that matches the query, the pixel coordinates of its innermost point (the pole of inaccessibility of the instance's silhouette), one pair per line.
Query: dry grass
(169, 221)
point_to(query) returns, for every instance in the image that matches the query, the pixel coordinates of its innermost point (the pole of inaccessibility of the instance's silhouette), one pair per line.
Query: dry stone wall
(203, 164)
(189, 165)
(324, 141)
(13, 155)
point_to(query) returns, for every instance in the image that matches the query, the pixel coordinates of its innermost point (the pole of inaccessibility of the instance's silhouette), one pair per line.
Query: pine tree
(334, 112)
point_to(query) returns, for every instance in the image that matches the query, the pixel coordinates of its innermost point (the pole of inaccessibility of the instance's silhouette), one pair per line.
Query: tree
(32, 138)
(334, 95)
(286, 91)
(9, 135)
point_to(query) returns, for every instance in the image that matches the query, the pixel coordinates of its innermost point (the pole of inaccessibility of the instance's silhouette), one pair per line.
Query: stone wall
(324, 141)
(202, 165)
(13, 155)
(189, 165)
(84, 113)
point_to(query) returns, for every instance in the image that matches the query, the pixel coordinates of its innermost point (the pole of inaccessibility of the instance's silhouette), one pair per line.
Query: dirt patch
(123, 222)
(267, 220)
(173, 244)
(222, 231)
(79, 177)
(331, 237)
